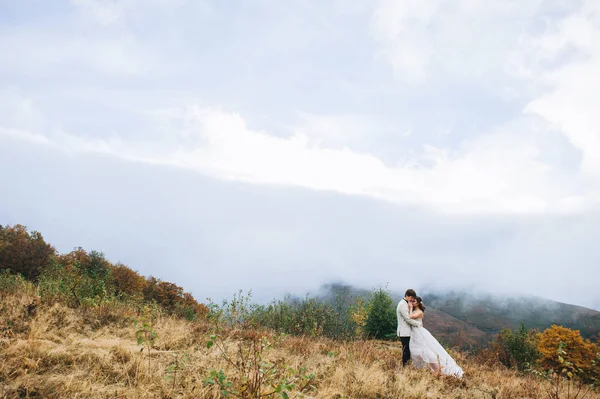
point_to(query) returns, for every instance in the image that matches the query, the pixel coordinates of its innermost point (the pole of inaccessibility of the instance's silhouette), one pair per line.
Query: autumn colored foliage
(173, 298)
(577, 354)
(127, 281)
(23, 252)
(558, 355)
(82, 278)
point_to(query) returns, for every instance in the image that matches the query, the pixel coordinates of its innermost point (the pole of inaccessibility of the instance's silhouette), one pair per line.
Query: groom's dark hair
(410, 292)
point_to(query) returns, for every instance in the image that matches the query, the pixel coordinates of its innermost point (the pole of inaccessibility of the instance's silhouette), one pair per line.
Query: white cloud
(104, 12)
(571, 104)
(464, 39)
(503, 167)
(65, 56)
(494, 172)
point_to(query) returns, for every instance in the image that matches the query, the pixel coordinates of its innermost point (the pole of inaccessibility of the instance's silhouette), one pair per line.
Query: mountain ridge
(470, 320)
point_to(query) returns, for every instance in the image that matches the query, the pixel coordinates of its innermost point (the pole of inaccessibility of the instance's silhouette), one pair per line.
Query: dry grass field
(52, 351)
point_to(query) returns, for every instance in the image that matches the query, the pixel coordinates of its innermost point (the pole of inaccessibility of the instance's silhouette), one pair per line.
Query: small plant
(146, 336)
(360, 313)
(220, 379)
(253, 374)
(172, 369)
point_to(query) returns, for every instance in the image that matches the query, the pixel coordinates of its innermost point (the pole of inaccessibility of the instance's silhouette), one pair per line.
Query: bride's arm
(415, 314)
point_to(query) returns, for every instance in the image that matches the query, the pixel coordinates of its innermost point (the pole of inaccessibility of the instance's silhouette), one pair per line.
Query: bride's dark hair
(420, 303)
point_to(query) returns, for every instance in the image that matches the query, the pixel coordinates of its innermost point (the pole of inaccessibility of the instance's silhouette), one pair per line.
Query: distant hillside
(450, 330)
(470, 320)
(492, 313)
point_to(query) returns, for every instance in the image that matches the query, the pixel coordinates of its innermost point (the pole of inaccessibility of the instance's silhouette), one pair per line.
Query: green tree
(381, 319)
(517, 348)
(78, 278)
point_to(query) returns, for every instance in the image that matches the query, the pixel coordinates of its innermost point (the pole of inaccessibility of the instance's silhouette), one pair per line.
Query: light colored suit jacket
(404, 321)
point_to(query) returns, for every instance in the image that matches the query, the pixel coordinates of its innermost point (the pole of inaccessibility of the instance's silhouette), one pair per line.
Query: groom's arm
(403, 312)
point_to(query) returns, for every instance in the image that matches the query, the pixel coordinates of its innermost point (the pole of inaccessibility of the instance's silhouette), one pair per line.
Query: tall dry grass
(52, 351)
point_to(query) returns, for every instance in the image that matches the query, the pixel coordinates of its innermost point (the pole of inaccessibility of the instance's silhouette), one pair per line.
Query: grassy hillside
(113, 351)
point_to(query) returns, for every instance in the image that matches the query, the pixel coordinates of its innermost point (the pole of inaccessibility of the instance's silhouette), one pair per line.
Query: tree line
(81, 278)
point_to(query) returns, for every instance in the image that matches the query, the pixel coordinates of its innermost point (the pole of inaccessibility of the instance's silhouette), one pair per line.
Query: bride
(425, 350)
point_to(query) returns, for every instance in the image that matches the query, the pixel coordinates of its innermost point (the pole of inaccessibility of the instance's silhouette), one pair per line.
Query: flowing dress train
(426, 351)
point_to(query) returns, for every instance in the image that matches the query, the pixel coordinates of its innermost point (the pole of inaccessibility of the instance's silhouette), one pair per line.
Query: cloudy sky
(279, 145)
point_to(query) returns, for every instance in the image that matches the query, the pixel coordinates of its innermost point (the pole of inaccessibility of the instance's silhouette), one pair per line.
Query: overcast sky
(279, 145)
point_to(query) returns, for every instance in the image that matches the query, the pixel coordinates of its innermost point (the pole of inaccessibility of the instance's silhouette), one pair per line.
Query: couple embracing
(417, 342)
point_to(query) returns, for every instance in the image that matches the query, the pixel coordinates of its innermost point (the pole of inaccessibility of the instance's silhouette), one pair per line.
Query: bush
(307, 316)
(562, 348)
(279, 315)
(12, 283)
(87, 275)
(516, 348)
(190, 309)
(76, 279)
(23, 252)
(381, 319)
(342, 323)
(166, 294)
(127, 281)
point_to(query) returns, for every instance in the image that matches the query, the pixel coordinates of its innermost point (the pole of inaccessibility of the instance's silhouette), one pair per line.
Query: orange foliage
(166, 294)
(172, 298)
(78, 258)
(87, 274)
(199, 309)
(127, 281)
(23, 252)
(581, 353)
(93, 263)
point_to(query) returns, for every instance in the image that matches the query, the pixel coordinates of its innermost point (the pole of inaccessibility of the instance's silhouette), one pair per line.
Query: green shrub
(310, 316)
(279, 315)
(71, 285)
(341, 323)
(253, 374)
(11, 283)
(516, 348)
(381, 319)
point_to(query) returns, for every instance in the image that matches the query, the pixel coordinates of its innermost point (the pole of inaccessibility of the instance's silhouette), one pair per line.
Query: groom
(405, 323)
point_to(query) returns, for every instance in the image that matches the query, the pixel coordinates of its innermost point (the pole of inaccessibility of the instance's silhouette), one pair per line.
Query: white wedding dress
(426, 351)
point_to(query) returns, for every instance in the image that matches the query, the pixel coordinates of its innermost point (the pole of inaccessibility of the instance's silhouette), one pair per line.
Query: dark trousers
(405, 350)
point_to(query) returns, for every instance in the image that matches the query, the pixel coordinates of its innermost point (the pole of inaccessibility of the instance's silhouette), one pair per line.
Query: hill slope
(491, 313)
(454, 332)
(59, 352)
